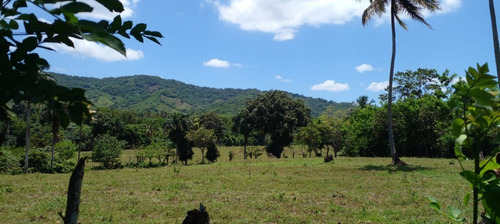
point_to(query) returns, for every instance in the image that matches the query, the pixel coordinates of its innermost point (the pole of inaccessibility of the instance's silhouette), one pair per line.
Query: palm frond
(376, 7)
(414, 11)
(431, 5)
(400, 21)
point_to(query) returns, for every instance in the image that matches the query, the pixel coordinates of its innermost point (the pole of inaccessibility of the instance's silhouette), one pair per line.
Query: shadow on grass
(389, 168)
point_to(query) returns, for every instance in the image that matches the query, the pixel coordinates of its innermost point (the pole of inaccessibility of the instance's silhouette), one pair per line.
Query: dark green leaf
(30, 43)
(116, 24)
(19, 4)
(13, 25)
(153, 33)
(77, 7)
(482, 97)
(137, 31)
(123, 30)
(474, 179)
(491, 200)
(112, 5)
(457, 127)
(153, 39)
(108, 40)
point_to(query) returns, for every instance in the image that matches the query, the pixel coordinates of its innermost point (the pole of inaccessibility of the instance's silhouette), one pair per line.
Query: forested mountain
(142, 93)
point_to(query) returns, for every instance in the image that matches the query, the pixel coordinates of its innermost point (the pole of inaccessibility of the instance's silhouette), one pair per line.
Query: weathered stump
(197, 216)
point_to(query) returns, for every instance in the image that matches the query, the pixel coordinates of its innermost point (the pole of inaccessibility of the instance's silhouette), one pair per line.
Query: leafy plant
(65, 149)
(107, 151)
(479, 116)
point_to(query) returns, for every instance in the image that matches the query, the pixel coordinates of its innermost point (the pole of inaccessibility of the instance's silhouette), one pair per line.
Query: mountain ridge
(141, 93)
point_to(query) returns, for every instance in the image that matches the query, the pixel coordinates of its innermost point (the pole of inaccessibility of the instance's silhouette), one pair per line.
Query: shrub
(65, 149)
(212, 153)
(107, 151)
(39, 160)
(9, 162)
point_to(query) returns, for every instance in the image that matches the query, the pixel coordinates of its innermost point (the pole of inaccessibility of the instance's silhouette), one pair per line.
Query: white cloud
(331, 85)
(279, 77)
(85, 48)
(217, 63)
(284, 18)
(446, 6)
(377, 86)
(364, 68)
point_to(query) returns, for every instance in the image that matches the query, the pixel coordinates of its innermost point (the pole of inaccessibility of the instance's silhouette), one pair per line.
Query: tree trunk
(80, 142)
(202, 155)
(495, 38)
(55, 127)
(28, 120)
(245, 142)
(394, 155)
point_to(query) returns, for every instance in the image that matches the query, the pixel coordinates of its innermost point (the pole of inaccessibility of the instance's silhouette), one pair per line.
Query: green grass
(263, 190)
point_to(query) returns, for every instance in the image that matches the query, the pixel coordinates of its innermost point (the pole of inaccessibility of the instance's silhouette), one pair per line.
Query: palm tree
(55, 113)
(177, 127)
(363, 102)
(495, 38)
(413, 8)
(241, 124)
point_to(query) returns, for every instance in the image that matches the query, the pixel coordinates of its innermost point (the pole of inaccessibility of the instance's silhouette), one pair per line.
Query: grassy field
(263, 190)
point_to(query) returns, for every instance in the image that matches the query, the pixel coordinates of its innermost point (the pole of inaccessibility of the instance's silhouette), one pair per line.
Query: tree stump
(197, 216)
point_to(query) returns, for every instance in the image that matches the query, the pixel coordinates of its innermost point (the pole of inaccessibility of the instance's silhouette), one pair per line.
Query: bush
(65, 149)
(9, 162)
(212, 153)
(38, 160)
(107, 151)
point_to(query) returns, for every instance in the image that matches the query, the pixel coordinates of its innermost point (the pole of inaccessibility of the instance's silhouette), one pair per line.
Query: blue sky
(315, 48)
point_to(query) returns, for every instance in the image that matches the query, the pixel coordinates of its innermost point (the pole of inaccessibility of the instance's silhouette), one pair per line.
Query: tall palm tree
(495, 38)
(413, 8)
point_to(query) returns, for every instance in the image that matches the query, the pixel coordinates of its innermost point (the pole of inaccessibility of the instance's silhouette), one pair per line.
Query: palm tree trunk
(55, 125)
(394, 155)
(495, 38)
(28, 120)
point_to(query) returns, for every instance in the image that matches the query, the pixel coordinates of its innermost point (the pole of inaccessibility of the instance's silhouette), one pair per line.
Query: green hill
(142, 93)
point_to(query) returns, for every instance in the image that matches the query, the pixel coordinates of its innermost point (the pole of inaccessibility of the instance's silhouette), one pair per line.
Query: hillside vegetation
(141, 93)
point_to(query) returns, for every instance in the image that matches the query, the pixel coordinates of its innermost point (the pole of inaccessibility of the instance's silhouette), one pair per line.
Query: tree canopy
(276, 115)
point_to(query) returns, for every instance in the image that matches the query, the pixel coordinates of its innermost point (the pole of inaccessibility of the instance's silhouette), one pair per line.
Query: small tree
(202, 138)
(212, 153)
(277, 115)
(107, 150)
(311, 136)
